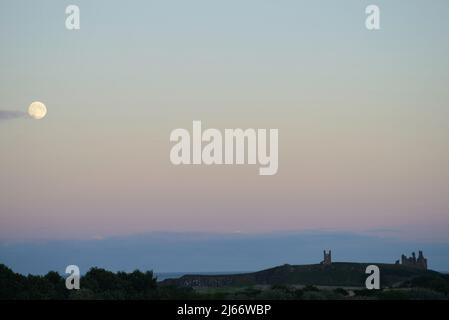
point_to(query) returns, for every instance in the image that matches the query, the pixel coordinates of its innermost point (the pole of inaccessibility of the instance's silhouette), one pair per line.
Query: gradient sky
(363, 117)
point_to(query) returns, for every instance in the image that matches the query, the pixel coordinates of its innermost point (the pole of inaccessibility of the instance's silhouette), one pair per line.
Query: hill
(344, 274)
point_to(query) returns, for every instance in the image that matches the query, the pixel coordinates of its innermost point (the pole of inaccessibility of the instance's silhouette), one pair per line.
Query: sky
(363, 118)
(183, 252)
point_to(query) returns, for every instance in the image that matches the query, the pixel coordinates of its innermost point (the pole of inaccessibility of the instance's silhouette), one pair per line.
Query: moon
(37, 110)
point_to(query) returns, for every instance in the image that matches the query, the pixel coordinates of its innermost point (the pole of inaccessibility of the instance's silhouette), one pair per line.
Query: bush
(311, 288)
(432, 282)
(341, 291)
(412, 294)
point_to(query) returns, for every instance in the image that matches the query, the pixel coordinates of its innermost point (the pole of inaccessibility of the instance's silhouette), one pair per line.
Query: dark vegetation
(102, 284)
(95, 284)
(339, 274)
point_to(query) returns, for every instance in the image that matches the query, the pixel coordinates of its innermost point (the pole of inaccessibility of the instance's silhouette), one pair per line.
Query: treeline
(95, 284)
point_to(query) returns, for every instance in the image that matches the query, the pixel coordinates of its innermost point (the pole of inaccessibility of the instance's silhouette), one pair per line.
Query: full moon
(37, 110)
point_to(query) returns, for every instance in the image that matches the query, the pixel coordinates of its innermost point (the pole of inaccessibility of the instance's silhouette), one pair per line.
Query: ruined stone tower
(327, 258)
(420, 262)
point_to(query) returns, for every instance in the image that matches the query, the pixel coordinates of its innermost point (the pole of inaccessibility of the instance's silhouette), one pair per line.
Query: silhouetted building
(412, 261)
(327, 260)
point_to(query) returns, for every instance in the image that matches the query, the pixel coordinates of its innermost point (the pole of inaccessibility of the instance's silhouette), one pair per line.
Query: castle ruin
(420, 262)
(327, 260)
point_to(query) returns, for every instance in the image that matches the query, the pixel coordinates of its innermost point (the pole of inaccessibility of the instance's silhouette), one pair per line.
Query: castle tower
(327, 258)
(412, 261)
(421, 262)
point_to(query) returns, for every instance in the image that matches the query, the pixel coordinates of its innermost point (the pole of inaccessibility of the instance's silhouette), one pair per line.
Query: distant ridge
(345, 274)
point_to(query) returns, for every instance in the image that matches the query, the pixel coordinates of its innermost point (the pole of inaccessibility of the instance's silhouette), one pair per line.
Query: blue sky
(203, 252)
